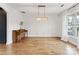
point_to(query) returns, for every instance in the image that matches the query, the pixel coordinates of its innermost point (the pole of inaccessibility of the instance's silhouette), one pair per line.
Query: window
(77, 24)
(70, 25)
(70, 20)
(77, 18)
(73, 24)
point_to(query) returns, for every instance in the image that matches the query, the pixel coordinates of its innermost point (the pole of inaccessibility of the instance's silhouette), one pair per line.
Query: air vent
(62, 5)
(23, 12)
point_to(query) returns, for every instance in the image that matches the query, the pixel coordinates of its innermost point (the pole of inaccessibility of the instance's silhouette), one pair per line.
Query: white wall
(13, 19)
(50, 28)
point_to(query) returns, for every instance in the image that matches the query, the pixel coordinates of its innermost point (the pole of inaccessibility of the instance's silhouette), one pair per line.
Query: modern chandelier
(41, 17)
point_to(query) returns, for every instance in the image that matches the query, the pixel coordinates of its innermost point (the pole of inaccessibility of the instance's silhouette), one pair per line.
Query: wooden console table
(18, 35)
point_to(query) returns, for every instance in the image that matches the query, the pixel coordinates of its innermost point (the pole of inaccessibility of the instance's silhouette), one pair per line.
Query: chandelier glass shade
(43, 17)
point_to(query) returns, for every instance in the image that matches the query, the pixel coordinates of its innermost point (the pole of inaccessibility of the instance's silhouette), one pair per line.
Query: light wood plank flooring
(39, 46)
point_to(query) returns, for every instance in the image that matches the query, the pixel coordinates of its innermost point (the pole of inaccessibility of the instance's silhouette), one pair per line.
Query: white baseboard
(10, 42)
(41, 36)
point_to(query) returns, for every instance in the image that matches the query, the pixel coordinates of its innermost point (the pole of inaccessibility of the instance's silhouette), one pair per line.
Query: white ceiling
(53, 8)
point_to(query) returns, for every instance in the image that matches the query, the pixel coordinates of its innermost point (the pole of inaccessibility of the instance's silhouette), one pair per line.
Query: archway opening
(3, 26)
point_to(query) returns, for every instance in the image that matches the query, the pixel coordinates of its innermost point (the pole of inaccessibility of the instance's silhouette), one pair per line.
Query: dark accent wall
(3, 26)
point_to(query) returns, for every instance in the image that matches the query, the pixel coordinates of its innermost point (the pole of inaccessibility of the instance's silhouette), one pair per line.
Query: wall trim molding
(10, 42)
(42, 36)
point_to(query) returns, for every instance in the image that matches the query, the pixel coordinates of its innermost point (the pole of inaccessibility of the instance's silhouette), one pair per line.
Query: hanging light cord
(38, 11)
(44, 11)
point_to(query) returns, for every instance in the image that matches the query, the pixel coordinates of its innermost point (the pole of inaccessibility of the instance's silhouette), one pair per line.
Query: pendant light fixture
(41, 17)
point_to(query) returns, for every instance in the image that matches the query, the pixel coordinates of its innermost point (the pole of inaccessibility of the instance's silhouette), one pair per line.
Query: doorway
(3, 26)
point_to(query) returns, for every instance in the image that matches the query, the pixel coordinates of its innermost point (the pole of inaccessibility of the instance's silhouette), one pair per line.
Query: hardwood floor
(39, 46)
